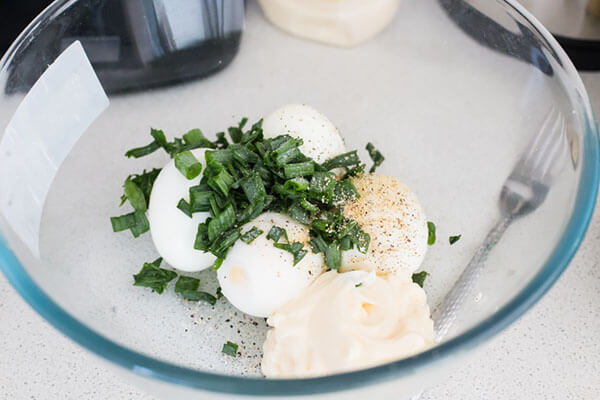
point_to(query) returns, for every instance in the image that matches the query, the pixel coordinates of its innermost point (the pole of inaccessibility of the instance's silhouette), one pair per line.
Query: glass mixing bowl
(451, 92)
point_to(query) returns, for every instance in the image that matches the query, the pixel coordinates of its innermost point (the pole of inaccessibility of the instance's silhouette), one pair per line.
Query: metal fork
(523, 191)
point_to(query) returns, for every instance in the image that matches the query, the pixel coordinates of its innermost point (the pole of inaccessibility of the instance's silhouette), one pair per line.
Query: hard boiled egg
(322, 140)
(391, 214)
(173, 232)
(258, 278)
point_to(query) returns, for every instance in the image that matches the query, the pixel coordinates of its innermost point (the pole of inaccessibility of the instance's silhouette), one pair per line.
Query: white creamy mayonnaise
(347, 321)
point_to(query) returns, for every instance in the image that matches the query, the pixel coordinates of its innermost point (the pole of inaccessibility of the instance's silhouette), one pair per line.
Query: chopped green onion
(308, 206)
(230, 349)
(154, 277)
(376, 156)
(318, 245)
(454, 239)
(135, 221)
(223, 243)
(219, 293)
(296, 249)
(217, 264)
(221, 223)
(200, 198)
(306, 168)
(195, 139)
(344, 192)
(195, 295)
(276, 233)
(430, 233)
(188, 165)
(186, 283)
(135, 195)
(184, 206)
(322, 186)
(333, 256)
(419, 278)
(343, 160)
(299, 213)
(252, 234)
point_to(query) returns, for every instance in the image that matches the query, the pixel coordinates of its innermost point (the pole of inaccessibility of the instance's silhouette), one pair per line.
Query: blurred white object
(336, 22)
(53, 115)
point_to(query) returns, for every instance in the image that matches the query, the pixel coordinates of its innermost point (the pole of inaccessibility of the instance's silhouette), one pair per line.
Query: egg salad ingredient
(173, 232)
(321, 140)
(390, 213)
(257, 278)
(347, 321)
(335, 22)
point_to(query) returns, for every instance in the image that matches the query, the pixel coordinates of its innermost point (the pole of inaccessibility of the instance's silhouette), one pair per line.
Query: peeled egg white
(322, 140)
(172, 231)
(391, 214)
(258, 278)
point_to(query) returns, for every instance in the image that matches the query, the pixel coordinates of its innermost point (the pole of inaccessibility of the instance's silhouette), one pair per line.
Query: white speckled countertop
(553, 352)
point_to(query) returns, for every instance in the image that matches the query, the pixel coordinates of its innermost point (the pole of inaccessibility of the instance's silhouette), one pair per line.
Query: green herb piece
(454, 239)
(308, 206)
(344, 192)
(322, 186)
(419, 278)
(145, 182)
(159, 141)
(154, 277)
(219, 293)
(296, 249)
(299, 213)
(375, 155)
(333, 256)
(200, 196)
(220, 247)
(191, 295)
(218, 178)
(306, 168)
(188, 165)
(431, 233)
(195, 139)
(296, 185)
(221, 223)
(358, 284)
(230, 349)
(135, 195)
(318, 244)
(184, 206)
(217, 264)
(252, 234)
(343, 160)
(201, 242)
(276, 233)
(186, 283)
(136, 222)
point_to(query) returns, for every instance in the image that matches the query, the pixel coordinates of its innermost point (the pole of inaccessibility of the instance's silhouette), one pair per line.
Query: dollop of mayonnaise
(347, 321)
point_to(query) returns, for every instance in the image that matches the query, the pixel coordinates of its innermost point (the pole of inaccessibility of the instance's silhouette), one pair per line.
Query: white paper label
(53, 115)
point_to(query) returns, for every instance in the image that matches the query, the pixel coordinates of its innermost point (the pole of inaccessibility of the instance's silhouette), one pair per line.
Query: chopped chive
(296, 185)
(221, 223)
(230, 349)
(322, 186)
(454, 239)
(201, 242)
(219, 293)
(186, 283)
(276, 233)
(343, 160)
(135, 195)
(217, 264)
(200, 198)
(154, 277)
(184, 206)
(299, 213)
(333, 256)
(419, 278)
(344, 192)
(308, 206)
(306, 168)
(358, 284)
(375, 155)
(188, 165)
(252, 234)
(136, 222)
(195, 295)
(430, 233)
(195, 139)
(296, 249)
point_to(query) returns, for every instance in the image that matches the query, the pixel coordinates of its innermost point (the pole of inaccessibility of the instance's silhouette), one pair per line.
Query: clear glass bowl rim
(150, 367)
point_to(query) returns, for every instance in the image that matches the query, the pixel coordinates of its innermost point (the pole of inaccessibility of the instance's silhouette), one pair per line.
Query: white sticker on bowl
(53, 115)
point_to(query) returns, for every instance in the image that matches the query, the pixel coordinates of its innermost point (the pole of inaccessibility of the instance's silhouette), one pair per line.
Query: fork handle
(446, 312)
